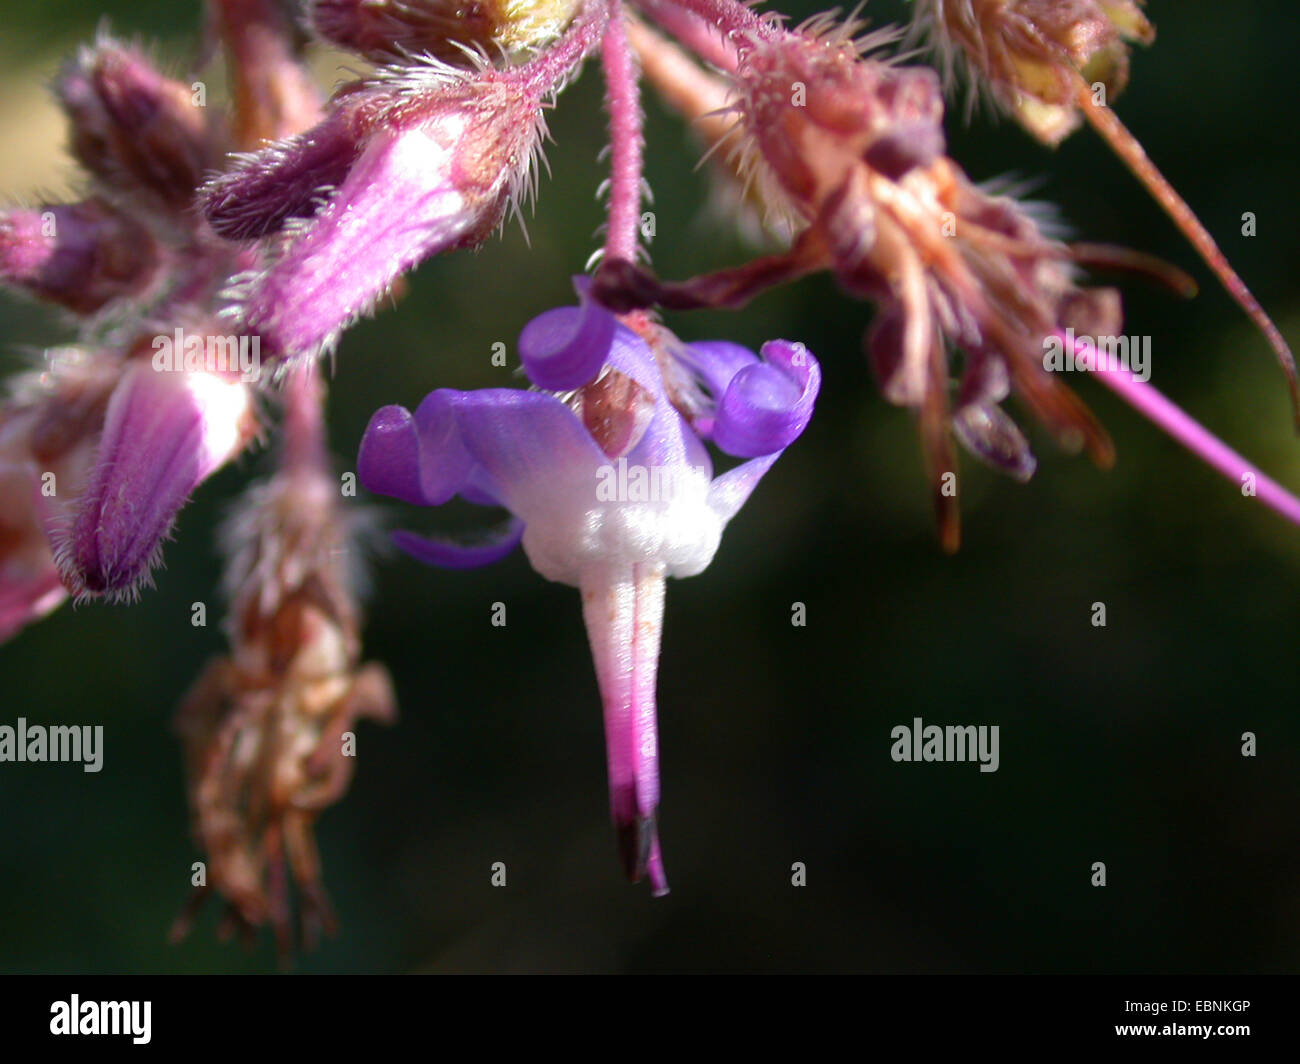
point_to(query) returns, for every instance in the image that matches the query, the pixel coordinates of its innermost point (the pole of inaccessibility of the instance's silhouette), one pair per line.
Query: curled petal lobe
(389, 461)
(768, 404)
(564, 348)
(716, 362)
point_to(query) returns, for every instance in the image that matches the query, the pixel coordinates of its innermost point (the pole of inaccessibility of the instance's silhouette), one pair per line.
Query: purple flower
(610, 489)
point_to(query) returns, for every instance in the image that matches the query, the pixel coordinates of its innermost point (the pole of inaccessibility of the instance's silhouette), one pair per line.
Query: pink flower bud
(165, 433)
(82, 256)
(134, 128)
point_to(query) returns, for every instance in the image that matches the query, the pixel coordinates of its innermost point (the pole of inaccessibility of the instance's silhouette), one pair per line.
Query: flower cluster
(217, 259)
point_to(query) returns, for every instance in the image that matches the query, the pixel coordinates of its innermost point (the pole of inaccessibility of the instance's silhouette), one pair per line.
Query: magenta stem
(1186, 430)
(703, 38)
(552, 68)
(304, 446)
(731, 17)
(627, 143)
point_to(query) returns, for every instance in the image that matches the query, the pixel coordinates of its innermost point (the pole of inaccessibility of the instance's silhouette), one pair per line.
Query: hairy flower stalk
(741, 199)
(267, 729)
(626, 145)
(611, 491)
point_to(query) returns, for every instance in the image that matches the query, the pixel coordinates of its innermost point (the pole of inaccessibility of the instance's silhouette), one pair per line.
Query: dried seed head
(814, 110)
(1031, 53)
(857, 147)
(264, 729)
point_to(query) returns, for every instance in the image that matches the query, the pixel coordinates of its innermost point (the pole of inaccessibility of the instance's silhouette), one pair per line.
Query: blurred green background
(1119, 744)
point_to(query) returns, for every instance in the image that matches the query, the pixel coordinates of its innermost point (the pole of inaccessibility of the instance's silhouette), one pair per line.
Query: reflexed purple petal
(716, 362)
(389, 460)
(768, 404)
(530, 445)
(446, 467)
(564, 348)
(447, 554)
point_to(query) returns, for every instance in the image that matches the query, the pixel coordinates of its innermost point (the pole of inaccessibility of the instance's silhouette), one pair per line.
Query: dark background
(1119, 744)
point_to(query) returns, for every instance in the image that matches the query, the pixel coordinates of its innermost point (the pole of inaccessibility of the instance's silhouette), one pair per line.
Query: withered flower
(268, 729)
(1032, 54)
(854, 146)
